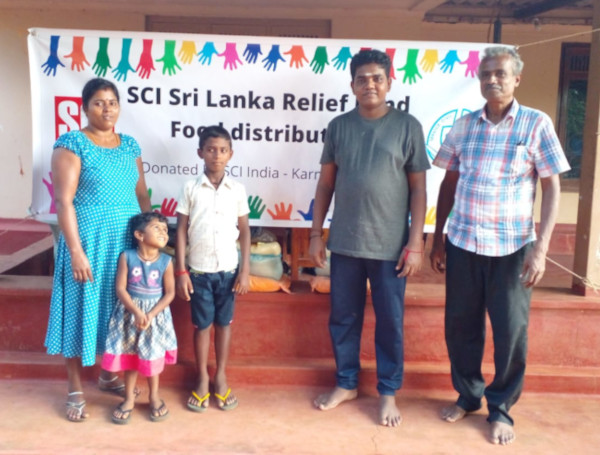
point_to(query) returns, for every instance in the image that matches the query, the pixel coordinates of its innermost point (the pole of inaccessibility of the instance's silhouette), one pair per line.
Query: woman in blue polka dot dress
(98, 186)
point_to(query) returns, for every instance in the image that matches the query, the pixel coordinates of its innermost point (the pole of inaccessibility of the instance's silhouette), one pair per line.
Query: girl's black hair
(141, 220)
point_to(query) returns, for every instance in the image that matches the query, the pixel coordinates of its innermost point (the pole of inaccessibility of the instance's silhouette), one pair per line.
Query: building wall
(538, 88)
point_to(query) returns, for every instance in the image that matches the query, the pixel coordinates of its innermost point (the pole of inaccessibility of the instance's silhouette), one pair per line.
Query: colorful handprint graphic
(252, 52)
(187, 52)
(53, 61)
(281, 212)
(102, 62)
(206, 53)
(297, 56)
(169, 60)
(77, 56)
(319, 60)
(120, 72)
(231, 57)
(146, 63)
(411, 71)
(270, 61)
(256, 207)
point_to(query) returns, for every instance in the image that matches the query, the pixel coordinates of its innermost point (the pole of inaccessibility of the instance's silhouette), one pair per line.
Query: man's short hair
(214, 131)
(504, 51)
(368, 56)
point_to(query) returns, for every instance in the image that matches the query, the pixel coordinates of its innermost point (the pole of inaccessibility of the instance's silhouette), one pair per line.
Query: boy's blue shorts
(213, 298)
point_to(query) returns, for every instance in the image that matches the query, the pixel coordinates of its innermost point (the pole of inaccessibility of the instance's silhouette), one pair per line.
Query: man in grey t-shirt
(374, 161)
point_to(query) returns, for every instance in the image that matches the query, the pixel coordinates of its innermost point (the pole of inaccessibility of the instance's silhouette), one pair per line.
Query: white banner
(275, 96)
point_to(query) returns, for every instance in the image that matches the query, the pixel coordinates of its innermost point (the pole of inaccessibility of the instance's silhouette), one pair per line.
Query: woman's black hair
(93, 85)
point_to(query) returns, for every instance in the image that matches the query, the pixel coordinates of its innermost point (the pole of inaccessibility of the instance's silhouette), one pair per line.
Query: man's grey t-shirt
(373, 157)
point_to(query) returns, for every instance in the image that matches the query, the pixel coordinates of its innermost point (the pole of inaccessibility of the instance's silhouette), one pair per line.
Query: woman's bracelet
(315, 234)
(181, 272)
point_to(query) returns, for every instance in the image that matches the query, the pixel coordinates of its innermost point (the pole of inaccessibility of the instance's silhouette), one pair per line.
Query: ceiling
(567, 12)
(564, 12)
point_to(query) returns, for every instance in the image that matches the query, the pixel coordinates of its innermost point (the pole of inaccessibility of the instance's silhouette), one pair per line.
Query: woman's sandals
(78, 407)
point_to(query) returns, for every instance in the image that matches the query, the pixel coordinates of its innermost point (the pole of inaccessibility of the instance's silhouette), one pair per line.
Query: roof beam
(539, 8)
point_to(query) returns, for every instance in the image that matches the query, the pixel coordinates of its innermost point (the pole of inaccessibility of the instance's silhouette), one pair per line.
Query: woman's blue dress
(104, 203)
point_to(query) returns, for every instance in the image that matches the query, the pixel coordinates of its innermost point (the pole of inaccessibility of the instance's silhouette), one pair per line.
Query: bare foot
(502, 433)
(389, 414)
(330, 400)
(453, 413)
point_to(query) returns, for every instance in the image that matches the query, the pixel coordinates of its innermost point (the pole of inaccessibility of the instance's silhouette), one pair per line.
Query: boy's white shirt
(213, 217)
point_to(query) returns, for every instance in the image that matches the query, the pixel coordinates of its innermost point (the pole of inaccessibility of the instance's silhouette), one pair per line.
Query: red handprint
(146, 64)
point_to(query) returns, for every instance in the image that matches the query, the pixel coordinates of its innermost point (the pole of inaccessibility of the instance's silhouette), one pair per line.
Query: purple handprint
(449, 61)
(252, 52)
(274, 56)
(472, 63)
(53, 61)
(146, 64)
(50, 187)
(231, 56)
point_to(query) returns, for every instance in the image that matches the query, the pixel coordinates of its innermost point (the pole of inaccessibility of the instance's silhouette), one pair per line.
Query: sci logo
(440, 128)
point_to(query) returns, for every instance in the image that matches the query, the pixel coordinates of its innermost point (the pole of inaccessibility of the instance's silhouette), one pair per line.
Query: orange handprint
(281, 213)
(298, 56)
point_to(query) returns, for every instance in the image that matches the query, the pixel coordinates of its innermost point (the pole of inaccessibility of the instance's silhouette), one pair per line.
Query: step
(563, 327)
(312, 372)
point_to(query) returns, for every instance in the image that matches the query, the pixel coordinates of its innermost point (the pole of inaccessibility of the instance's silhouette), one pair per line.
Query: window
(574, 64)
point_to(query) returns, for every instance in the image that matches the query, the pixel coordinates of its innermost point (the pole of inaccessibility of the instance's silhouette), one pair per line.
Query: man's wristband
(181, 272)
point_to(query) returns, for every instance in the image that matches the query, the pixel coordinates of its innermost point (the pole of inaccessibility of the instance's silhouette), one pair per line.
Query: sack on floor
(267, 266)
(262, 284)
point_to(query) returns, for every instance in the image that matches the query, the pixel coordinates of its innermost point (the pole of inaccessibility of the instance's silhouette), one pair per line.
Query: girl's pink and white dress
(128, 348)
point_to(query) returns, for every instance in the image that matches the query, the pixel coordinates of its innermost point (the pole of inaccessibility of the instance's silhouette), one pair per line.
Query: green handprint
(429, 60)
(169, 60)
(154, 206)
(319, 60)
(411, 71)
(102, 62)
(256, 210)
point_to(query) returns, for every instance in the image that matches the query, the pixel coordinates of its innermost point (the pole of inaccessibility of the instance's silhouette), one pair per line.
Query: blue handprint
(274, 56)
(207, 52)
(449, 61)
(308, 215)
(252, 52)
(341, 60)
(120, 72)
(53, 61)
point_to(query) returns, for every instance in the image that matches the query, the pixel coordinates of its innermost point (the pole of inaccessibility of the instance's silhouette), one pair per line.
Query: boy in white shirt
(212, 213)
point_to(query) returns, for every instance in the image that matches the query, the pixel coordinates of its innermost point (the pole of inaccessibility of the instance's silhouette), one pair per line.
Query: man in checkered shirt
(493, 158)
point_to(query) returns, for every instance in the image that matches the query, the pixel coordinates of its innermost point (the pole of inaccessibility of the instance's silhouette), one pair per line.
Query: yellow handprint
(187, 52)
(429, 60)
(430, 216)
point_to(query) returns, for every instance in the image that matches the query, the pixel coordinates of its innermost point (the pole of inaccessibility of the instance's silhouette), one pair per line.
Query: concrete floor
(281, 420)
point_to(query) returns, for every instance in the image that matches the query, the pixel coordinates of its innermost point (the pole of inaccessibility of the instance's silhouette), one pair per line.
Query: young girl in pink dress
(141, 337)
